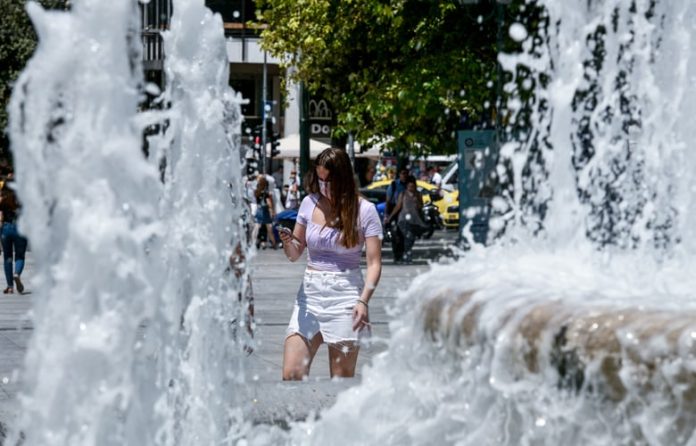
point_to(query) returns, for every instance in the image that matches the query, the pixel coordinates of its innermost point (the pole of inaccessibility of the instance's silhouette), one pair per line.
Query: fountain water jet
(494, 355)
(129, 341)
(578, 326)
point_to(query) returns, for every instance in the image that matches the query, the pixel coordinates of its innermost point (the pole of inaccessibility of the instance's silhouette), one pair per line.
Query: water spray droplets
(518, 32)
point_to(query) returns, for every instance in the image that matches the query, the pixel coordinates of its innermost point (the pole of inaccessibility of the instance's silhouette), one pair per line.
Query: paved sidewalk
(15, 332)
(276, 281)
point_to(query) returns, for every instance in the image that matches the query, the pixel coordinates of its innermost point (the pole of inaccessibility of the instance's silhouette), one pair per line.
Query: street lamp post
(304, 130)
(264, 94)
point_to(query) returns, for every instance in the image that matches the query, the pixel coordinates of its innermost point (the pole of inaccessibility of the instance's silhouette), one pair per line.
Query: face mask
(324, 188)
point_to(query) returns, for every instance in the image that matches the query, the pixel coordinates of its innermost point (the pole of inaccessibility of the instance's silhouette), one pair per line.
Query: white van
(450, 177)
(445, 163)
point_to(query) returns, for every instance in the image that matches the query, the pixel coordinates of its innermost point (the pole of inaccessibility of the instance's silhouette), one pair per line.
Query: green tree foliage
(403, 69)
(17, 43)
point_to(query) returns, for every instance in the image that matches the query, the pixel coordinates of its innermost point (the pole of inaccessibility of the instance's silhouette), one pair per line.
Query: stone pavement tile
(12, 355)
(257, 368)
(6, 343)
(14, 309)
(278, 402)
(20, 338)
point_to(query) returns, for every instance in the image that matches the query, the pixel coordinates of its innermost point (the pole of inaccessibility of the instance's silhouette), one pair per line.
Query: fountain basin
(636, 363)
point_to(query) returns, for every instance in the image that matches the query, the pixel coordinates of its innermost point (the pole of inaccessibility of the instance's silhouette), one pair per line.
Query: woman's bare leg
(298, 355)
(271, 236)
(343, 359)
(255, 234)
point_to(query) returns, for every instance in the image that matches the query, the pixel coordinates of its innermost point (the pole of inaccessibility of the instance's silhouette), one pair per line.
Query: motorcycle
(432, 218)
(386, 229)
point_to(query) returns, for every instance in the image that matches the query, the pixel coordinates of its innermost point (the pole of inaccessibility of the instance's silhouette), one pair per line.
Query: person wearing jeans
(14, 245)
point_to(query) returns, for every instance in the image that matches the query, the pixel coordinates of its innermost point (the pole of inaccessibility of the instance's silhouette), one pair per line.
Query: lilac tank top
(324, 250)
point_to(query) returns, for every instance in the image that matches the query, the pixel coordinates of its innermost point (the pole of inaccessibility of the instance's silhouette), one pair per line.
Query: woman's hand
(285, 236)
(361, 318)
(293, 241)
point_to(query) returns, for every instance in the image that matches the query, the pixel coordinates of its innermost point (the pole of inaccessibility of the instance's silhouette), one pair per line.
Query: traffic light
(256, 136)
(275, 151)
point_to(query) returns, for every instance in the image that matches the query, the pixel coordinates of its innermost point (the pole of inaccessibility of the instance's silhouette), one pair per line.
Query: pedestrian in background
(265, 211)
(278, 177)
(393, 191)
(333, 223)
(14, 245)
(408, 216)
(292, 199)
(435, 178)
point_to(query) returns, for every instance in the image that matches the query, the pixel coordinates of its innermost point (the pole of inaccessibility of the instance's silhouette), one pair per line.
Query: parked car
(449, 210)
(374, 196)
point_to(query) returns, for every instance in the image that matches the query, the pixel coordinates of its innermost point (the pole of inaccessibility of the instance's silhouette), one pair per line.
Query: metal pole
(243, 31)
(264, 95)
(304, 131)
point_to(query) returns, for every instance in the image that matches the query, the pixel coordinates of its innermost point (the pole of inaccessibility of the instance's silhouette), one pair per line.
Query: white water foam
(602, 219)
(137, 315)
(130, 321)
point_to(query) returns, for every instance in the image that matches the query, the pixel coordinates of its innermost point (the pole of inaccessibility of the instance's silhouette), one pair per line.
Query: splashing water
(129, 321)
(577, 326)
(132, 272)
(607, 155)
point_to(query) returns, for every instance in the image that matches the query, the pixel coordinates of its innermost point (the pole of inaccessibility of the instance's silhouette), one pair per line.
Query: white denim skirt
(325, 305)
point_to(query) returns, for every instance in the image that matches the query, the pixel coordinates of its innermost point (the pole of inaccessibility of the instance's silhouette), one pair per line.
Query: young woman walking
(331, 307)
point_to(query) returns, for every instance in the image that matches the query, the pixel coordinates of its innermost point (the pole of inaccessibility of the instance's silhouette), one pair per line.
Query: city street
(275, 282)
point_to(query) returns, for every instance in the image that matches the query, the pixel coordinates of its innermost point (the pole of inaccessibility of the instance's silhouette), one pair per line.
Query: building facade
(247, 61)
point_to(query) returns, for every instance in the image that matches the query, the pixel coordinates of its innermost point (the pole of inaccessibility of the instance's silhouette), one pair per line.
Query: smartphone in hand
(284, 230)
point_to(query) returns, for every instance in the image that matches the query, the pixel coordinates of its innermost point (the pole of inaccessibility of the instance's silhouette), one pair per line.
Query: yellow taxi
(447, 204)
(449, 209)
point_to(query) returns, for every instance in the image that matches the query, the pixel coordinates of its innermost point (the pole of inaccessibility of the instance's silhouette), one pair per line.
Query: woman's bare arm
(373, 248)
(294, 245)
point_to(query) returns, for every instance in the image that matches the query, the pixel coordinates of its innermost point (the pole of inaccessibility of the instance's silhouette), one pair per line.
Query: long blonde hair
(344, 200)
